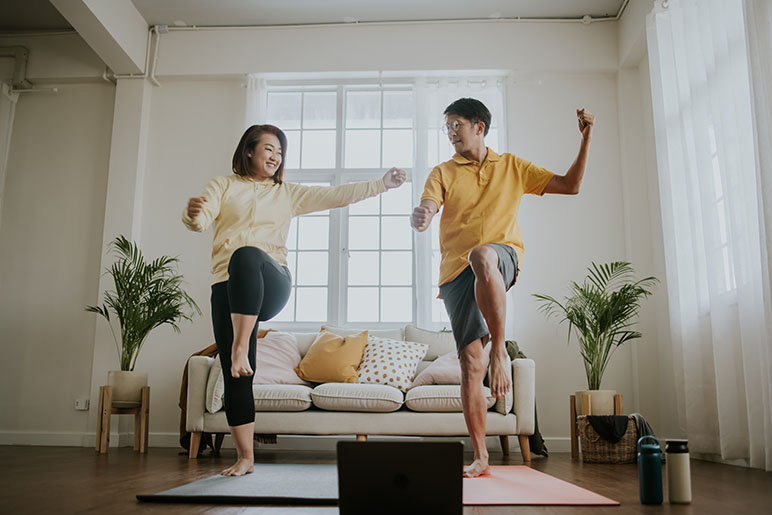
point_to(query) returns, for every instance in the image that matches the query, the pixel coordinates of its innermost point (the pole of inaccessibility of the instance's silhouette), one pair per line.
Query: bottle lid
(648, 448)
(677, 446)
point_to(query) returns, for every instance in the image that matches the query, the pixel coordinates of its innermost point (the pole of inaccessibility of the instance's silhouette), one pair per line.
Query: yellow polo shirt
(258, 214)
(480, 204)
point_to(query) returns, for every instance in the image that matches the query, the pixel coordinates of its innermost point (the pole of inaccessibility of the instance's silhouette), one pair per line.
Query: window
(364, 264)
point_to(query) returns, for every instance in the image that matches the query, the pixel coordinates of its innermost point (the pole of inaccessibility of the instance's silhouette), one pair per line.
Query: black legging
(257, 285)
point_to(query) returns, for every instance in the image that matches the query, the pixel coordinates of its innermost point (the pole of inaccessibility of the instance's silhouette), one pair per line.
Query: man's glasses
(452, 126)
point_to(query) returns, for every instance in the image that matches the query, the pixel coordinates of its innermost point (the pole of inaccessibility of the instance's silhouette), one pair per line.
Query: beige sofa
(366, 409)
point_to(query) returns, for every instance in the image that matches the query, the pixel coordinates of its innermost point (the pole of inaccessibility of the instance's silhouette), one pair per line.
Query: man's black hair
(471, 109)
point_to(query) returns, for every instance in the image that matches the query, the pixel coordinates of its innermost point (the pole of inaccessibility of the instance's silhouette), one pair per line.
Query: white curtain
(7, 109)
(257, 98)
(716, 245)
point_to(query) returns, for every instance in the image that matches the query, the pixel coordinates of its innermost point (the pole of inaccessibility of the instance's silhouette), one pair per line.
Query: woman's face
(266, 157)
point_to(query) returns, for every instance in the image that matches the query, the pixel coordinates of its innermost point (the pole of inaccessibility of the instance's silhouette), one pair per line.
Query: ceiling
(40, 15)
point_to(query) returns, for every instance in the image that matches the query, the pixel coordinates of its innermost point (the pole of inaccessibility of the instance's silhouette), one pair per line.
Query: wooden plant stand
(141, 414)
(587, 410)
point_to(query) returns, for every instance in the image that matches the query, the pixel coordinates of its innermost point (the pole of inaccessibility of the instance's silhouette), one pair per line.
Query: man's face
(463, 135)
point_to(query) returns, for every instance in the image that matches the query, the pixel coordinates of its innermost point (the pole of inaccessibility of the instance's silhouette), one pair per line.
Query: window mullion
(338, 232)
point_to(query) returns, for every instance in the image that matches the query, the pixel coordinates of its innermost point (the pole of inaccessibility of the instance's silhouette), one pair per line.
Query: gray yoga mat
(268, 484)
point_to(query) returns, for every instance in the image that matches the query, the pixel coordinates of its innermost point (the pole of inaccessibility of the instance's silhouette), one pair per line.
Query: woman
(251, 212)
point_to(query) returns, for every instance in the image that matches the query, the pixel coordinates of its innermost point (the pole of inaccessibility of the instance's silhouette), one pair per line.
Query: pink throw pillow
(444, 370)
(277, 356)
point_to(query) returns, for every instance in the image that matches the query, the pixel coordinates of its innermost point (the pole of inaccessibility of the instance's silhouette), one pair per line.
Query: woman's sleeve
(213, 193)
(308, 199)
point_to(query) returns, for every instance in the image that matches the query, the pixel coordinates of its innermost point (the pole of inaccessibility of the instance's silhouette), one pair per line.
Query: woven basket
(598, 450)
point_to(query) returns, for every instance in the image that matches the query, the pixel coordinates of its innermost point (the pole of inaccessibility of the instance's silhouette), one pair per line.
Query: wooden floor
(77, 480)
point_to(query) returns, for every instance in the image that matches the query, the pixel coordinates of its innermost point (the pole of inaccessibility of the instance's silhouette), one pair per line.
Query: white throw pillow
(390, 362)
(215, 387)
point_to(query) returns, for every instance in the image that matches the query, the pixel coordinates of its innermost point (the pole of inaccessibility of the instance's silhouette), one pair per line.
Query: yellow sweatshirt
(258, 214)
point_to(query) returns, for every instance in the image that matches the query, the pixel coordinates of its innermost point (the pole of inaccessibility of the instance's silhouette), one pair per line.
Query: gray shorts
(466, 320)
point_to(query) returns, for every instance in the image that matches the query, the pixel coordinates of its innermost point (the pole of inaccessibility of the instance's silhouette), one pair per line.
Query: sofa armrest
(198, 375)
(524, 387)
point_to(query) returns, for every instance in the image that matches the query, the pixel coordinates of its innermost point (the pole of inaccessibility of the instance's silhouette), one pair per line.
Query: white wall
(195, 120)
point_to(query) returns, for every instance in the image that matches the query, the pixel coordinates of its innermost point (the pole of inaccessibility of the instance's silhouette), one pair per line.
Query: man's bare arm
(423, 214)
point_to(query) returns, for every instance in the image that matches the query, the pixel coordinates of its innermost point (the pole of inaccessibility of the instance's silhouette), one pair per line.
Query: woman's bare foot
(479, 467)
(500, 373)
(241, 467)
(240, 364)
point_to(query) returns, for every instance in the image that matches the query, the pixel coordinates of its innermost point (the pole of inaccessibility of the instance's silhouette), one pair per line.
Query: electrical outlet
(81, 404)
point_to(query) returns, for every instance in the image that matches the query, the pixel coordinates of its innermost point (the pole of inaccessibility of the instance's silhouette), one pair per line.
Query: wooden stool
(586, 410)
(141, 414)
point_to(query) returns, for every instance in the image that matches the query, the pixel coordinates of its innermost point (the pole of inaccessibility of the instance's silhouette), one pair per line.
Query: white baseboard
(284, 443)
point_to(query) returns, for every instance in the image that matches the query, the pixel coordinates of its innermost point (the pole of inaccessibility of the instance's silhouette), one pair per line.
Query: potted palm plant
(601, 312)
(146, 295)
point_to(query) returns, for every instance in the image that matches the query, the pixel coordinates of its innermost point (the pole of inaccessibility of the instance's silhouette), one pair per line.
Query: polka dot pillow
(390, 362)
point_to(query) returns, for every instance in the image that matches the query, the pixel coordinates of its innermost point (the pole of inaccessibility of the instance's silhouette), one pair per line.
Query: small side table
(141, 412)
(587, 410)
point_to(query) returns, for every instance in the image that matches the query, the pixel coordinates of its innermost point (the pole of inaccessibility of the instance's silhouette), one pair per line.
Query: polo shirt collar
(492, 157)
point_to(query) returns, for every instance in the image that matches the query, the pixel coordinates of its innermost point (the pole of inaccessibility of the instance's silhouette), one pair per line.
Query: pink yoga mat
(524, 485)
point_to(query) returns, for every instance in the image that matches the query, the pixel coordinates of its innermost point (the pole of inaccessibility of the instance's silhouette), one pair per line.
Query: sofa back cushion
(333, 358)
(394, 334)
(440, 342)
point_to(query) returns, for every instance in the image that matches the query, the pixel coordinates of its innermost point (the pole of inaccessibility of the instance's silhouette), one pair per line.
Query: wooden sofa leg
(195, 443)
(525, 449)
(361, 438)
(504, 440)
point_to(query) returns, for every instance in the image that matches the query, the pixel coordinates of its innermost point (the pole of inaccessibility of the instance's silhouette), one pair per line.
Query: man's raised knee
(483, 259)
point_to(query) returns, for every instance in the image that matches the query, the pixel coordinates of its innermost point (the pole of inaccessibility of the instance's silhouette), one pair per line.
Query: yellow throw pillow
(332, 358)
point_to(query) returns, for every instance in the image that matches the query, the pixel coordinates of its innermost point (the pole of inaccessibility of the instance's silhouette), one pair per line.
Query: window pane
(363, 232)
(397, 233)
(433, 152)
(363, 269)
(397, 268)
(492, 139)
(284, 110)
(396, 304)
(363, 304)
(398, 148)
(288, 313)
(314, 232)
(293, 150)
(319, 110)
(312, 304)
(318, 149)
(370, 206)
(398, 201)
(292, 236)
(363, 149)
(398, 109)
(363, 109)
(312, 268)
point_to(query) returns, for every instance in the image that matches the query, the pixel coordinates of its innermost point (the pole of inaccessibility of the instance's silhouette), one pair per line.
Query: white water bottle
(679, 482)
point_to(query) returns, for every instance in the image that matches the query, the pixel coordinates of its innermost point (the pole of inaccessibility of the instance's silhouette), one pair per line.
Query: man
(482, 246)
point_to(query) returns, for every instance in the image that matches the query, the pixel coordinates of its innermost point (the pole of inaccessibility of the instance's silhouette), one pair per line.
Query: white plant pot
(127, 387)
(601, 402)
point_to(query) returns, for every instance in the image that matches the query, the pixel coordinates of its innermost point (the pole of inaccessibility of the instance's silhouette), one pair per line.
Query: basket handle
(588, 433)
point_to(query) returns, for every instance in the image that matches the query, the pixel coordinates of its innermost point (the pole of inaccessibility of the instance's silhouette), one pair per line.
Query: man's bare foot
(500, 373)
(479, 467)
(241, 467)
(240, 364)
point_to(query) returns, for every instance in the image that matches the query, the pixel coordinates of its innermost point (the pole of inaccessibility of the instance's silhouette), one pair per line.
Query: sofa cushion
(394, 334)
(440, 342)
(357, 397)
(277, 356)
(440, 398)
(281, 397)
(215, 388)
(390, 362)
(333, 358)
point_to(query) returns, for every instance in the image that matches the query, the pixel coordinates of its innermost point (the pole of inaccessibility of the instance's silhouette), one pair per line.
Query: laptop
(400, 477)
